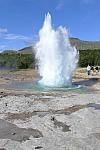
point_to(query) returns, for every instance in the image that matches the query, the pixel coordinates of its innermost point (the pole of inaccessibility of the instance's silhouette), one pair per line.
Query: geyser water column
(57, 58)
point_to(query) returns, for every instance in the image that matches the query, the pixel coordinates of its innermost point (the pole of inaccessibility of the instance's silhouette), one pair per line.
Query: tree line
(14, 60)
(17, 60)
(91, 57)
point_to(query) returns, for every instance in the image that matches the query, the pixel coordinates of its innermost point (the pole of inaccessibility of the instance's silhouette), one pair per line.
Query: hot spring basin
(34, 86)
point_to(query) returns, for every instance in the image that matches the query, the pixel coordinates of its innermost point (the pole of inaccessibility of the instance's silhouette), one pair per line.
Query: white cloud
(3, 47)
(7, 38)
(60, 5)
(3, 30)
(5, 35)
(15, 37)
(87, 1)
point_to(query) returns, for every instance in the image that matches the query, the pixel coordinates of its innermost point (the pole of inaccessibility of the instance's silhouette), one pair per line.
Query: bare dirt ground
(49, 120)
(80, 78)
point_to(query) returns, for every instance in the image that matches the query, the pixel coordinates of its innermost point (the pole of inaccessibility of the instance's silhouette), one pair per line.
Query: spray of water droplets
(57, 58)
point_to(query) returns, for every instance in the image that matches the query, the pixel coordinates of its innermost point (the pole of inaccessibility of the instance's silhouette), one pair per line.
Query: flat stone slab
(50, 121)
(11, 131)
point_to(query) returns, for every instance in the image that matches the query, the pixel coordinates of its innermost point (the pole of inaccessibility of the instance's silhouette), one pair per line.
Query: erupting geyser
(57, 58)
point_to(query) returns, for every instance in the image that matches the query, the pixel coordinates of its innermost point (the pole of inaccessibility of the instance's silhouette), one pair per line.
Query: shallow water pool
(34, 86)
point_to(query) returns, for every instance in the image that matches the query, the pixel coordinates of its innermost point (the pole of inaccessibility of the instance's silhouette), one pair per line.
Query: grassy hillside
(79, 44)
(85, 45)
(26, 50)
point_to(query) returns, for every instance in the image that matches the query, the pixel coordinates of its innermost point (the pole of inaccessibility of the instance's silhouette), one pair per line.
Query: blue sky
(20, 20)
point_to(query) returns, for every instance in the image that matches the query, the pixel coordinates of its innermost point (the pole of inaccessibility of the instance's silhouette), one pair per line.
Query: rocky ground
(56, 120)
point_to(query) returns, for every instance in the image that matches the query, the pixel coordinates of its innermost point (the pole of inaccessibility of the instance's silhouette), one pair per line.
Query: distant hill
(84, 45)
(26, 50)
(79, 44)
(9, 51)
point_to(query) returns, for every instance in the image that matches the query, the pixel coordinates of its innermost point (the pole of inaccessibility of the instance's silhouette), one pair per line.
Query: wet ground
(27, 80)
(48, 120)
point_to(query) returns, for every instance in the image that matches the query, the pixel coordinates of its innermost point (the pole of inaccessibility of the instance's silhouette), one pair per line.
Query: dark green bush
(24, 61)
(16, 60)
(91, 57)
